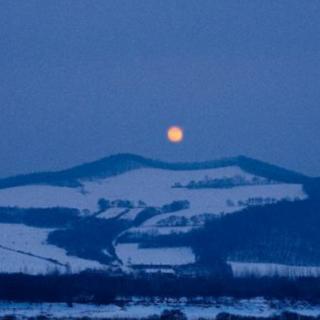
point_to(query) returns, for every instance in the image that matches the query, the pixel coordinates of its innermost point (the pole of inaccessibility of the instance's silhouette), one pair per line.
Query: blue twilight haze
(82, 80)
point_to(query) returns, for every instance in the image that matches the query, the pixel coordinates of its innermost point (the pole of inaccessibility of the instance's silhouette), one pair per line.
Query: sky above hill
(82, 80)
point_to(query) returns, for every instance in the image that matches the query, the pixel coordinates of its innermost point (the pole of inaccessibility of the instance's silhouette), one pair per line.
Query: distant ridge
(120, 163)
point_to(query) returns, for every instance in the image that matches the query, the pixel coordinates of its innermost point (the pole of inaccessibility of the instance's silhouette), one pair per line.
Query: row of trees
(254, 201)
(104, 204)
(285, 232)
(104, 289)
(223, 183)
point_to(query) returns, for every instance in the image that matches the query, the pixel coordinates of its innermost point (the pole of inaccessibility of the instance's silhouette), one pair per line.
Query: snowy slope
(243, 269)
(144, 308)
(111, 213)
(152, 186)
(214, 201)
(24, 249)
(131, 254)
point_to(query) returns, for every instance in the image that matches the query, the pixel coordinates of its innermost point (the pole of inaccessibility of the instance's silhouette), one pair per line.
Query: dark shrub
(174, 314)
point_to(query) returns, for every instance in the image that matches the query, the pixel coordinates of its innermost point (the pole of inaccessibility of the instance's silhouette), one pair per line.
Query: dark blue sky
(80, 80)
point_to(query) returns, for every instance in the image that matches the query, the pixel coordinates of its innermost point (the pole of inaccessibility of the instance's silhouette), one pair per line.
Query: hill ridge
(123, 162)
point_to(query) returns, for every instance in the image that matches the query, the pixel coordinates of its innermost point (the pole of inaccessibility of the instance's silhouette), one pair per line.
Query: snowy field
(132, 254)
(24, 249)
(153, 186)
(142, 309)
(214, 201)
(111, 213)
(159, 230)
(244, 269)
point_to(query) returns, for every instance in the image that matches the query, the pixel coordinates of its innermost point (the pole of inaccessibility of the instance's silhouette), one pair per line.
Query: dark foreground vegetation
(101, 288)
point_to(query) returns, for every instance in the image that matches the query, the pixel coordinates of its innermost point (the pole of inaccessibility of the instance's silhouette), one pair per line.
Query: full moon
(175, 134)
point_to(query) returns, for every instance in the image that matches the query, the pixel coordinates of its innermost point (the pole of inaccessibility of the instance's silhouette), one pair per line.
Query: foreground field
(199, 308)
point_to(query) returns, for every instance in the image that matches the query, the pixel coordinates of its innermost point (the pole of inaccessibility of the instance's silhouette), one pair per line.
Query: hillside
(128, 213)
(117, 164)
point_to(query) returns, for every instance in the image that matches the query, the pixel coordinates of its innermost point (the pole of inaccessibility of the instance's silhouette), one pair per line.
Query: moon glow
(175, 134)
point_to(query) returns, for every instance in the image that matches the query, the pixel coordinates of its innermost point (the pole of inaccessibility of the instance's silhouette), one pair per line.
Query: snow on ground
(257, 307)
(41, 196)
(131, 214)
(14, 262)
(208, 201)
(158, 230)
(111, 213)
(24, 249)
(203, 203)
(121, 213)
(243, 269)
(132, 254)
(167, 270)
(153, 186)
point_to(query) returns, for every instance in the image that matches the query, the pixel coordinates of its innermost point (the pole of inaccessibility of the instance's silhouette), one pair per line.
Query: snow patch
(24, 249)
(153, 186)
(142, 308)
(244, 269)
(131, 254)
(111, 213)
(131, 214)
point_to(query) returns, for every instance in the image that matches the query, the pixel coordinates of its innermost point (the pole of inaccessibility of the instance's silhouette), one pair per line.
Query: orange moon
(175, 134)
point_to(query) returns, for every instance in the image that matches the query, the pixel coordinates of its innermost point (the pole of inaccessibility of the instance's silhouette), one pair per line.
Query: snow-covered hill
(145, 198)
(155, 187)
